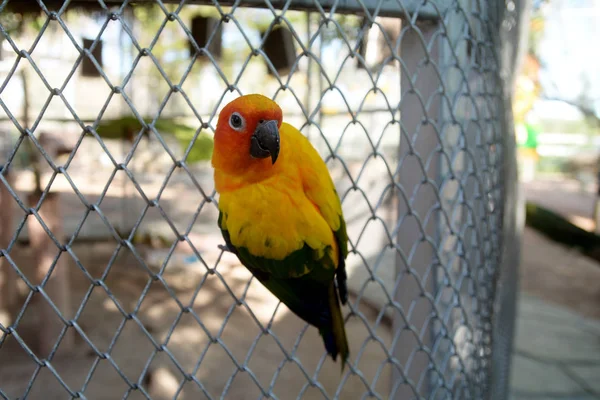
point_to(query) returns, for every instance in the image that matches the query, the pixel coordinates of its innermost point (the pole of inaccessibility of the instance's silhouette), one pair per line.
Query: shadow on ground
(560, 275)
(148, 341)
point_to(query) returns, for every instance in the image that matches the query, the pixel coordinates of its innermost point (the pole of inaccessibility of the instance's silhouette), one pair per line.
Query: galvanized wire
(463, 170)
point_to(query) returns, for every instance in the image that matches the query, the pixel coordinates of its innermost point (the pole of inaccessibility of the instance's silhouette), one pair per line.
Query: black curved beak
(265, 141)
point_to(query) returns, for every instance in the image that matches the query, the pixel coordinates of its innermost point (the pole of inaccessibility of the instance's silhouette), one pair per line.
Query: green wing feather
(305, 261)
(341, 236)
(302, 283)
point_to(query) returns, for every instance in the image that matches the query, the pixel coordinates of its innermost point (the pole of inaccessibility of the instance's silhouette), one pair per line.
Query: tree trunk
(44, 251)
(57, 286)
(8, 276)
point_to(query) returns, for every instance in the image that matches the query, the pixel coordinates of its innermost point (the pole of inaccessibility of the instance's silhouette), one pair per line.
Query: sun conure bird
(281, 215)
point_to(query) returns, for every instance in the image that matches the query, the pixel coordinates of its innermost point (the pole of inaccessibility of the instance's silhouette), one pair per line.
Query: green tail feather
(335, 338)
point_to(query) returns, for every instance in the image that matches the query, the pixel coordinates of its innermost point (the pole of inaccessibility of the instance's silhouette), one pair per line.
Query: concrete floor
(556, 355)
(557, 343)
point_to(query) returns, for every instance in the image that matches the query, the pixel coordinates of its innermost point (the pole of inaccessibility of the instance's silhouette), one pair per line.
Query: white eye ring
(237, 122)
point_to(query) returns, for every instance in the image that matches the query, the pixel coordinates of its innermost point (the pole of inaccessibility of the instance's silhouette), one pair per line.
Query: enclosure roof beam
(431, 10)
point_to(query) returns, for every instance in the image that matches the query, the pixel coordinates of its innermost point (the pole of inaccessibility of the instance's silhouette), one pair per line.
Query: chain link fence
(112, 282)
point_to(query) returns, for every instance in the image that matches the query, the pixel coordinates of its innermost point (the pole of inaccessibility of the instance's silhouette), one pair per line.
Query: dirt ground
(206, 341)
(559, 274)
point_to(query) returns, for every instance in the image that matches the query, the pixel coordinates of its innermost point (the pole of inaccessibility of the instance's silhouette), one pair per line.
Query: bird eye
(236, 121)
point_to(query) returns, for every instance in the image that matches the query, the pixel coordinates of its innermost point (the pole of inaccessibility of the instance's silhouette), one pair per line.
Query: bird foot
(226, 248)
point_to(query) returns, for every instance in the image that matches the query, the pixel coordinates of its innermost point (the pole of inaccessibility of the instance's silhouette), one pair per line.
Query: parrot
(281, 215)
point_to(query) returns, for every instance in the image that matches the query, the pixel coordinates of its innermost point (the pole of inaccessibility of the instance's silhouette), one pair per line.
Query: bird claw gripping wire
(225, 248)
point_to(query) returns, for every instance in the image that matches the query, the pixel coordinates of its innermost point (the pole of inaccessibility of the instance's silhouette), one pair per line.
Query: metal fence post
(511, 41)
(416, 261)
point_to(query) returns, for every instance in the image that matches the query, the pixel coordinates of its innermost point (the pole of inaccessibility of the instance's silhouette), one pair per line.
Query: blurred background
(557, 124)
(115, 219)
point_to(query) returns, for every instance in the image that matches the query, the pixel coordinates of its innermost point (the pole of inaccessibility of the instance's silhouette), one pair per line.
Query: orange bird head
(247, 134)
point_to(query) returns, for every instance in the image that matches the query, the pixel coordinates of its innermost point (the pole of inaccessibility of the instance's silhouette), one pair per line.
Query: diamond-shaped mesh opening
(112, 281)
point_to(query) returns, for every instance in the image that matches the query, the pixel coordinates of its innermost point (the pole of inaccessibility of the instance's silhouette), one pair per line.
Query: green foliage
(18, 23)
(20, 15)
(127, 128)
(149, 20)
(203, 147)
(122, 128)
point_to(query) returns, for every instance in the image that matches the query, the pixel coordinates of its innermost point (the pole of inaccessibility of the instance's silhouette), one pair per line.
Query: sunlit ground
(163, 339)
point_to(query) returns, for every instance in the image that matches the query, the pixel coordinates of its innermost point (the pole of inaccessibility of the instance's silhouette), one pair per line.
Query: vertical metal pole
(307, 101)
(125, 207)
(419, 85)
(459, 253)
(513, 203)
(320, 117)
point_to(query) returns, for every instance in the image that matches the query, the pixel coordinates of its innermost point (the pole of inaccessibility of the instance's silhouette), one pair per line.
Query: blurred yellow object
(525, 95)
(527, 88)
(530, 153)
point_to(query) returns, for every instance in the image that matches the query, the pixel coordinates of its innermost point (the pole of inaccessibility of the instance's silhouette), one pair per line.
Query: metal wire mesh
(409, 112)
